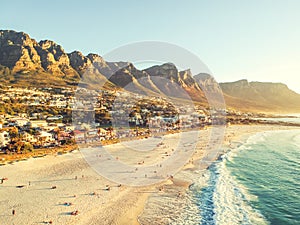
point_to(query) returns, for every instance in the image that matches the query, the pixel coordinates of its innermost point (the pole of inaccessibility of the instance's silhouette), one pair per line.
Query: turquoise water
(256, 183)
(269, 168)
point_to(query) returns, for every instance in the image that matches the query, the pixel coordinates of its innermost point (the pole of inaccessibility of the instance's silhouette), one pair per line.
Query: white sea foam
(232, 201)
(224, 201)
(216, 197)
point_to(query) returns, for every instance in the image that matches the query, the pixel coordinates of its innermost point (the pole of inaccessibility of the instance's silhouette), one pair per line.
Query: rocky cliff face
(276, 95)
(23, 59)
(54, 59)
(22, 54)
(18, 53)
(127, 75)
(78, 61)
(172, 82)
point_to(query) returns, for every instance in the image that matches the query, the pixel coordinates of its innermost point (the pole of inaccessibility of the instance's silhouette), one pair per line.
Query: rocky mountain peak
(243, 82)
(47, 61)
(95, 58)
(47, 44)
(185, 74)
(17, 51)
(167, 70)
(168, 66)
(10, 37)
(78, 61)
(53, 48)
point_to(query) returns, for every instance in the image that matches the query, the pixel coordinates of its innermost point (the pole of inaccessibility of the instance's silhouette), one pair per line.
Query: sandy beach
(50, 189)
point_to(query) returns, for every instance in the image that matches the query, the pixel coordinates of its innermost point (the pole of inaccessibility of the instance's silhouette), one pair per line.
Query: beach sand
(40, 189)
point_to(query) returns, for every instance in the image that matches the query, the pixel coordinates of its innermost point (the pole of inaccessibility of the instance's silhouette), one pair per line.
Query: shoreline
(71, 174)
(156, 215)
(16, 157)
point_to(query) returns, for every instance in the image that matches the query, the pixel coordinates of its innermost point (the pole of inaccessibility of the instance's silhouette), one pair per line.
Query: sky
(258, 40)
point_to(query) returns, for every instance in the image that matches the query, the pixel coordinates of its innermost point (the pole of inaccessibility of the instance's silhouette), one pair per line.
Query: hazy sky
(254, 39)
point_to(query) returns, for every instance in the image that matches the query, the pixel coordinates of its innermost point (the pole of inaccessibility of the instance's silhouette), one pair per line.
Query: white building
(29, 138)
(4, 138)
(46, 138)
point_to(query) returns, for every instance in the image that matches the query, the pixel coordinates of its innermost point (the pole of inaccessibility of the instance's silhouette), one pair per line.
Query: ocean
(257, 182)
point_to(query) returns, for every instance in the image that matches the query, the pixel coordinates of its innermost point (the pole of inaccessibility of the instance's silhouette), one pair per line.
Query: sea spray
(222, 201)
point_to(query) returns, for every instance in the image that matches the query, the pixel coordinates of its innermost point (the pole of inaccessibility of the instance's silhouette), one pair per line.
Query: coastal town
(33, 119)
(149, 113)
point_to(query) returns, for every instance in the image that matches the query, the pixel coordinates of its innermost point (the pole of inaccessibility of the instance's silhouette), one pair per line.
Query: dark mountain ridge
(26, 62)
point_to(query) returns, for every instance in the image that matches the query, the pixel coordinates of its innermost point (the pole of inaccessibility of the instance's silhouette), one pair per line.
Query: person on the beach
(74, 213)
(3, 179)
(13, 212)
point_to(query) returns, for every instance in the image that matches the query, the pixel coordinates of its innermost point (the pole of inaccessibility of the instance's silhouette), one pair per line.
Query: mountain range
(26, 62)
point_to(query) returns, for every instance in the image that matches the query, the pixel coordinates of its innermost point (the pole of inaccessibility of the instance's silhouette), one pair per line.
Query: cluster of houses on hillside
(96, 116)
(60, 97)
(17, 132)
